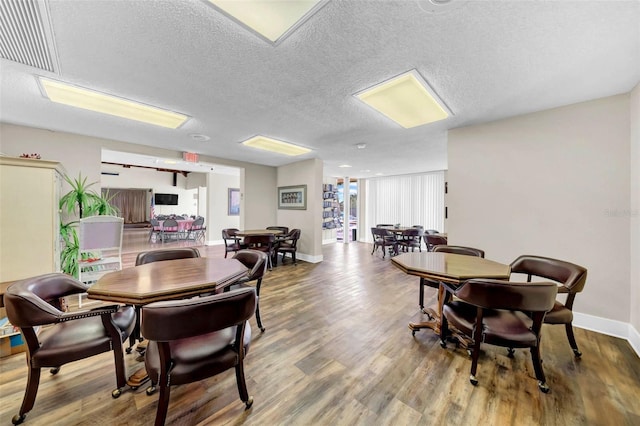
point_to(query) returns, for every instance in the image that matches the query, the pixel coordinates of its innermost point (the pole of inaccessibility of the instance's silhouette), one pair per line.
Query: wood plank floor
(337, 351)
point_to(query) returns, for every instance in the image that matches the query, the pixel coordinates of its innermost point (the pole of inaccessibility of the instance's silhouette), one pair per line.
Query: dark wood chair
(288, 244)
(411, 239)
(467, 251)
(571, 279)
(383, 238)
(193, 339)
(256, 262)
(71, 336)
(500, 313)
(265, 243)
(432, 240)
(157, 256)
(231, 241)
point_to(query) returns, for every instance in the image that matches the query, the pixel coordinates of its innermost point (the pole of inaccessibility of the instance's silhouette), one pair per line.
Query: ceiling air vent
(24, 31)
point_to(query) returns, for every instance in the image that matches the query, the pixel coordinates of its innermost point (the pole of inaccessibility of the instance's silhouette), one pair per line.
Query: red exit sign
(190, 157)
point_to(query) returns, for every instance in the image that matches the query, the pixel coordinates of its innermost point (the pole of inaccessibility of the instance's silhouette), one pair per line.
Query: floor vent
(24, 27)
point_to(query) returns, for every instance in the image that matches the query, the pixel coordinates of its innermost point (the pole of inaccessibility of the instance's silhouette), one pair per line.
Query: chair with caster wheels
(501, 313)
(256, 261)
(72, 336)
(570, 279)
(193, 339)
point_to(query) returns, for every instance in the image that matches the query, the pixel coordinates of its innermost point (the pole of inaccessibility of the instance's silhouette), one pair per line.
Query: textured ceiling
(487, 60)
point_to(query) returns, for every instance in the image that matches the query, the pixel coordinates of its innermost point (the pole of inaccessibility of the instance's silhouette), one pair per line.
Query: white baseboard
(329, 241)
(214, 242)
(609, 327)
(309, 258)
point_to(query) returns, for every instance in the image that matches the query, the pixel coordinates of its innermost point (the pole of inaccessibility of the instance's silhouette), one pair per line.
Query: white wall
(79, 153)
(309, 221)
(218, 186)
(554, 183)
(159, 182)
(635, 210)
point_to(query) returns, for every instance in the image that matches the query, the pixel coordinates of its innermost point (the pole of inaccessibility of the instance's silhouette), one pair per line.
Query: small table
(449, 268)
(166, 280)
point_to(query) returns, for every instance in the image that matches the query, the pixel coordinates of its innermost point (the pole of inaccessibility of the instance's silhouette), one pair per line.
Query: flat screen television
(166, 199)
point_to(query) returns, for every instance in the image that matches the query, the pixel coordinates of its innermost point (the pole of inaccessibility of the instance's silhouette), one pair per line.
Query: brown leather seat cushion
(193, 356)
(503, 328)
(81, 336)
(559, 315)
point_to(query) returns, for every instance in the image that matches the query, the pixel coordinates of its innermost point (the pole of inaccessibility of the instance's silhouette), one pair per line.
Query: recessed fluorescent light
(273, 20)
(365, 171)
(344, 166)
(273, 145)
(79, 97)
(361, 145)
(406, 99)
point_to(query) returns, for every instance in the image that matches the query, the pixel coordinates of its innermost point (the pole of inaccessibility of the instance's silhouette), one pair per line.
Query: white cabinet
(29, 219)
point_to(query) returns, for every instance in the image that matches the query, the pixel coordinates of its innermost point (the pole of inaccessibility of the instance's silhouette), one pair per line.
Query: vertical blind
(408, 200)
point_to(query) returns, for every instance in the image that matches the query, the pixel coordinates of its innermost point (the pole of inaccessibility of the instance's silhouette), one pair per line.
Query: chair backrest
(229, 233)
(412, 233)
(434, 240)
(467, 251)
(168, 254)
(515, 296)
(170, 225)
(155, 224)
(198, 223)
(34, 301)
(431, 231)
(284, 229)
(293, 237)
(570, 275)
(255, 260)
(180, 319)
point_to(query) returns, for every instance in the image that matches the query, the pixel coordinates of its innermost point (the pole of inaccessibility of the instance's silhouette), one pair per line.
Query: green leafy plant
(82, 201)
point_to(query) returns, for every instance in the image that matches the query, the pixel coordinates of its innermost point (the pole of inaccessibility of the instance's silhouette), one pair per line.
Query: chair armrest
(104, 310)
(449, 288)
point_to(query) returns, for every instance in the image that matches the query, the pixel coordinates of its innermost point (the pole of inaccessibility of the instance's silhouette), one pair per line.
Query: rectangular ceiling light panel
(273, 145)
(271, 19)
(91, 100)
(407, 99)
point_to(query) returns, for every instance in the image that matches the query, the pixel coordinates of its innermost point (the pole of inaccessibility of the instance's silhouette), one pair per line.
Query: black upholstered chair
(411, 239)
(70, 336)
(501, 313)
(289, 244)
(166, 254)
(231, 241)
(571, 279)
(383, 238)
(256, 262)
(193, 339)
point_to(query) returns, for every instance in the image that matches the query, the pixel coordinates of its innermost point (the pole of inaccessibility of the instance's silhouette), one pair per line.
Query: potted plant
(82, 201)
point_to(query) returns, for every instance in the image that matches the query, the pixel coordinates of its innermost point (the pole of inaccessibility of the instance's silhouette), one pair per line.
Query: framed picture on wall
(234, 202)
(292, 197)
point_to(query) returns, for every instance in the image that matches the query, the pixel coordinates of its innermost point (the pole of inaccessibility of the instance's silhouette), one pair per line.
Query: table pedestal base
(138, 378)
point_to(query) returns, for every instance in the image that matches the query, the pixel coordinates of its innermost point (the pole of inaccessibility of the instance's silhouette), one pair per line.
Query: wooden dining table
(246, 232)
(166, 280)
(449, 268)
